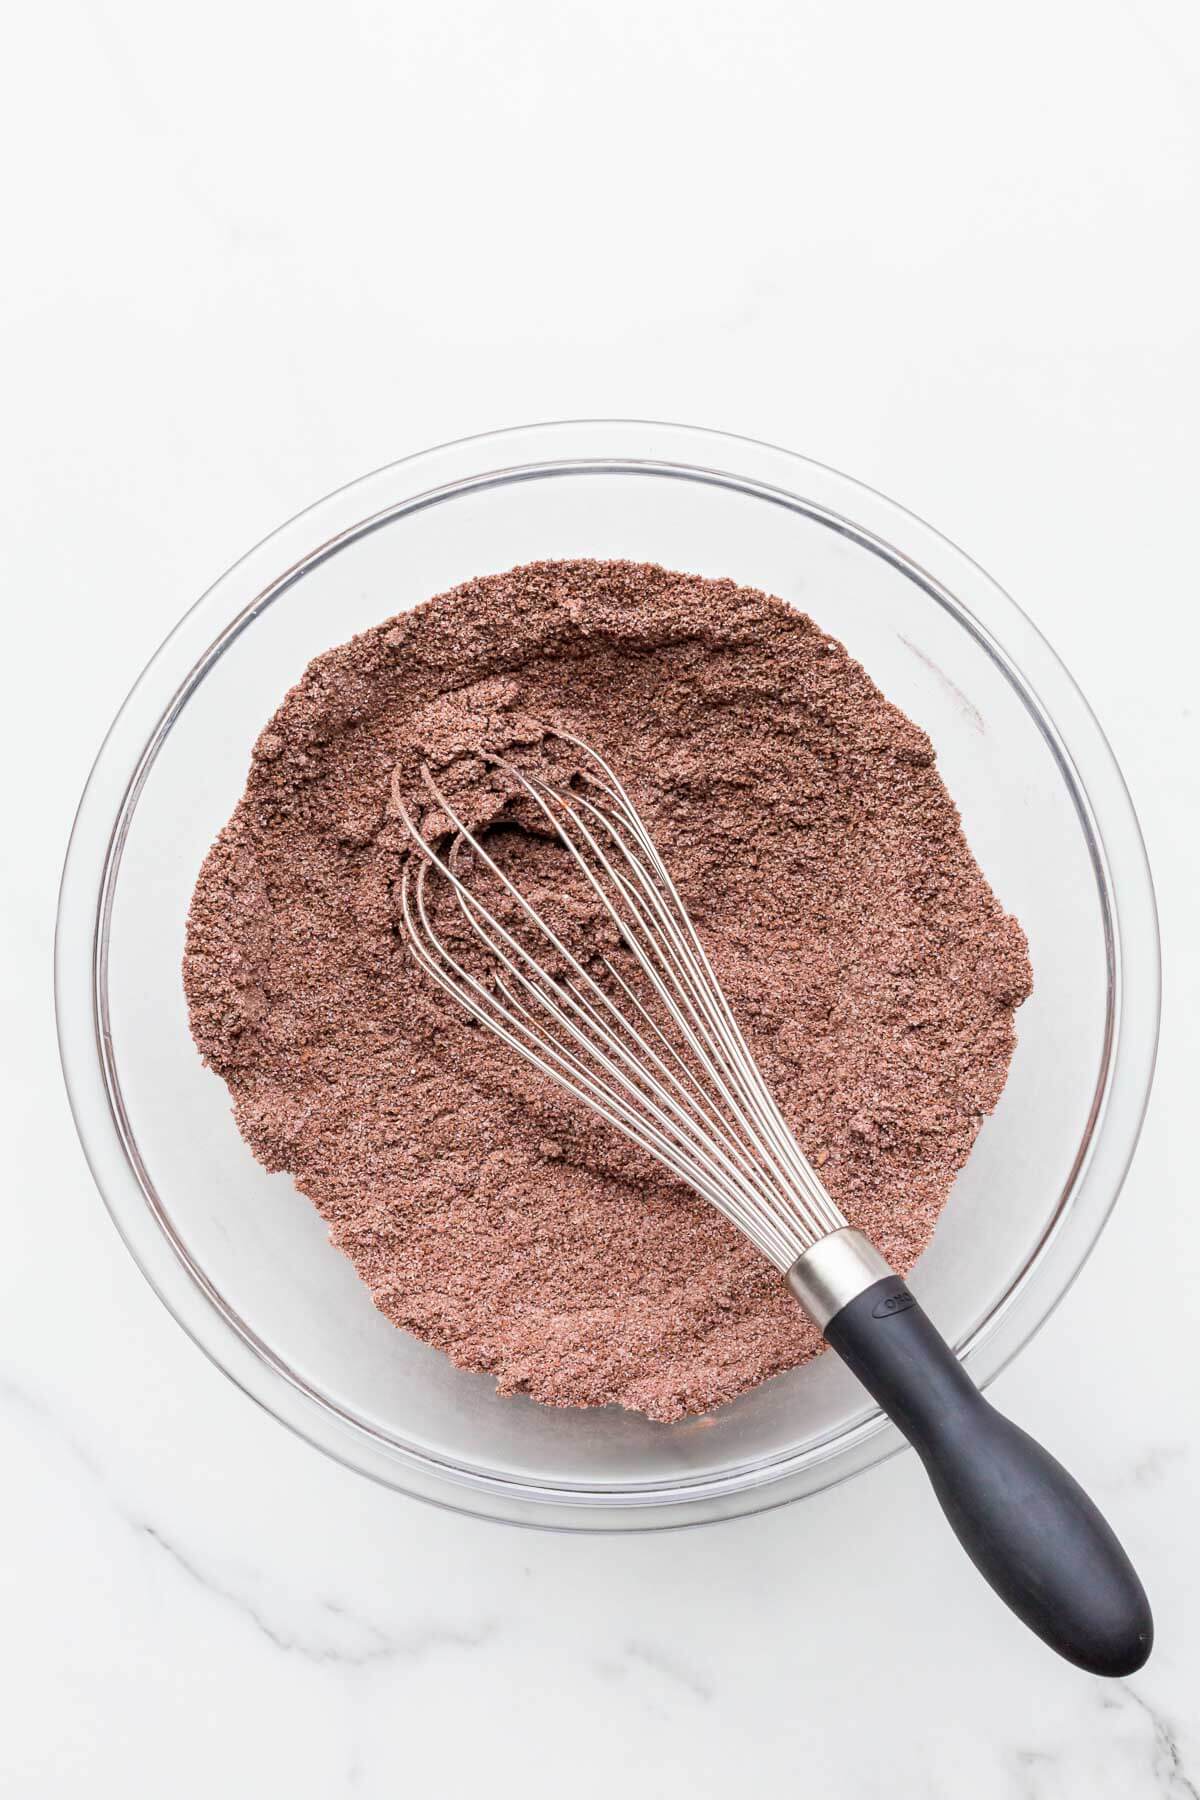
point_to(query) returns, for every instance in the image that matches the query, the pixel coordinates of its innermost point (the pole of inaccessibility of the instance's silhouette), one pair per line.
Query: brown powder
(822, 859)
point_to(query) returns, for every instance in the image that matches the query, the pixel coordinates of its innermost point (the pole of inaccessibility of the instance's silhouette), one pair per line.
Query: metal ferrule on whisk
(835, 1271)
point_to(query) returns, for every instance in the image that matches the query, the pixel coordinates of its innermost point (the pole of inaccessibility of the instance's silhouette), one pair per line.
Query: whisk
(646, 1038)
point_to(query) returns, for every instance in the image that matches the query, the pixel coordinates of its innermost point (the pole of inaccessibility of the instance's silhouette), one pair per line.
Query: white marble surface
(256, 249)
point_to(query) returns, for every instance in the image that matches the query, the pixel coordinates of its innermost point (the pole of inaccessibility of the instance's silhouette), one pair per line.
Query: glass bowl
(242, 1260)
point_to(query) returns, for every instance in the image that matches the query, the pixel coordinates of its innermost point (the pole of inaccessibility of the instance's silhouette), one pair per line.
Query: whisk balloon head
(632, 1022)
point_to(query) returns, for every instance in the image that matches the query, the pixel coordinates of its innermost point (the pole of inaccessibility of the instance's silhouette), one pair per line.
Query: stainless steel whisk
(658, 1053)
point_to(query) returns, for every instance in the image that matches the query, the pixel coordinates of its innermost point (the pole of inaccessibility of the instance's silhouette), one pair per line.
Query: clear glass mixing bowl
(242, 1260)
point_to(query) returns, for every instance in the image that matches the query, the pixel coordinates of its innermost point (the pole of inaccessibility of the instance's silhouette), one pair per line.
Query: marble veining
(350, 1642)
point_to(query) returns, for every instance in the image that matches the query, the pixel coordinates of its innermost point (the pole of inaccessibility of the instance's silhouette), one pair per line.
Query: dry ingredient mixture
(808, 831)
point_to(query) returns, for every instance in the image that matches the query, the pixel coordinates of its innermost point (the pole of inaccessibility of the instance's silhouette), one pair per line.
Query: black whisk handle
(1027, 1525)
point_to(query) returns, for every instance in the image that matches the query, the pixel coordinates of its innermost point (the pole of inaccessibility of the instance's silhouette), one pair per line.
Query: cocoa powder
(807, 829)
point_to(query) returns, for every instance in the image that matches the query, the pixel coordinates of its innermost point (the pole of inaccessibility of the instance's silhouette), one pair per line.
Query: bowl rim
(436, 476)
